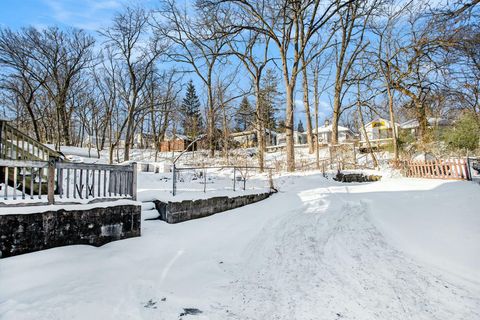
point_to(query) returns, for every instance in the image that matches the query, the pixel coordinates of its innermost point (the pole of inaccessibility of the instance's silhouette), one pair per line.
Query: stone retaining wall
(174, 212)
(23, 233)
(356, 177)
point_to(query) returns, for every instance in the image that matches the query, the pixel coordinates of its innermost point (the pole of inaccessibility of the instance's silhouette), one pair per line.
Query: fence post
(50, 182)
(245, 177)
(469, 172)
(204, 180)
(174, 180)
(134, 181)
(234, 169)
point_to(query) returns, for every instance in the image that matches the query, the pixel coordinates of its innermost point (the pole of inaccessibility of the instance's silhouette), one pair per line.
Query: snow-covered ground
(199, 184)
(394, 249)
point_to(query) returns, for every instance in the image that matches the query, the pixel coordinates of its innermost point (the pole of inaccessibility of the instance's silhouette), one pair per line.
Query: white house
(325, 134)
(248, 138)
(413, 125)
(298, 138)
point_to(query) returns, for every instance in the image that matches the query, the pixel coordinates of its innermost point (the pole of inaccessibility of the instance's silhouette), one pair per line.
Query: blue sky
(85, 14)
(90, 15)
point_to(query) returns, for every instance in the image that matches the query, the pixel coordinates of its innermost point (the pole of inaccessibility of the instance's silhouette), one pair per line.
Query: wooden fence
(456, 169)
(23, 179)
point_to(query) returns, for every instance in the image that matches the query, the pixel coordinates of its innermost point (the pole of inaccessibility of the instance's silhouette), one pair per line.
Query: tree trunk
(289, 128)
(316, 103)
(336, 114)
(65, 121)
(259, 126)
(211, 122)
(306, 104)
(392, 122)
(422, 121)
(369, 146)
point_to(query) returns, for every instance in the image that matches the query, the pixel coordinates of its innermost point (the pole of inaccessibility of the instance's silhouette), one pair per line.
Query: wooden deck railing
(58, 181)
(16, 145)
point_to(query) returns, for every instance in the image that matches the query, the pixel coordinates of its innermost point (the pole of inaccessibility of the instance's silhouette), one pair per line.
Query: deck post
(134, 181)
(50, 182)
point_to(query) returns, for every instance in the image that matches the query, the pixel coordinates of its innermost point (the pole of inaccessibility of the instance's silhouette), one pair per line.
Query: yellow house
(378, 129)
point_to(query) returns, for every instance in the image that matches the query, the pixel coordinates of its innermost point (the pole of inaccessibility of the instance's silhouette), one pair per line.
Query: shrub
(465, 134)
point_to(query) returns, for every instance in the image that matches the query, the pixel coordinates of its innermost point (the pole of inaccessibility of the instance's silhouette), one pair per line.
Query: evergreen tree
(300, 127)
(465, 134)
(269, 99)
(281, 126)
(192, 122)
(244, 116)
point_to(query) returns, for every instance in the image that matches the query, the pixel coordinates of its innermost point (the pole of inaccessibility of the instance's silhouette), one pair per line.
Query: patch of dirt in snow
(328, 261)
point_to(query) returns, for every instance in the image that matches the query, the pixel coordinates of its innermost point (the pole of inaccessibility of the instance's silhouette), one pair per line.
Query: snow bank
(435, 221)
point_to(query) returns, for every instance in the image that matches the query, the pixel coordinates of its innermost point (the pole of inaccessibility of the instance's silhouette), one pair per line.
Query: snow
(190, 185)
(395, 249)
(33, 207)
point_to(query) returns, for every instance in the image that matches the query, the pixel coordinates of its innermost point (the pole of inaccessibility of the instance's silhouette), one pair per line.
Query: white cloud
(86, 14)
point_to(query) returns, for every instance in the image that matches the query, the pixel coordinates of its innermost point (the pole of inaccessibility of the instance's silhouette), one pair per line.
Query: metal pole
(204, 180)
(234, 169)
(174, 181)
(245, 177)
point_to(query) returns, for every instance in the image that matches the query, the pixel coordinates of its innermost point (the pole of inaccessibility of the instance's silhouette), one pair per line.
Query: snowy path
(328, 261)
(313, 251)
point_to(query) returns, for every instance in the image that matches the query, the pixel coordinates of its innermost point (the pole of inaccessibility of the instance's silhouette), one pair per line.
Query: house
(143, 140)
(299, 138)
(175, 142)
(413, 124)
(378, 129)
(325, 134)
(247, 139)
(379, 133)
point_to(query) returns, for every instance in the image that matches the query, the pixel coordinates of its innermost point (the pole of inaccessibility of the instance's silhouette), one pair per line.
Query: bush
(465, 134)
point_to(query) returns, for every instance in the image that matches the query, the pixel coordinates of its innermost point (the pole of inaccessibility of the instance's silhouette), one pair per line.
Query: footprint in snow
(150, 304)
(190, 311)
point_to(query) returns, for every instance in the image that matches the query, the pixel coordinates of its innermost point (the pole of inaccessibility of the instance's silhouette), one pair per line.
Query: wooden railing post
(134, 181)
(50, 182)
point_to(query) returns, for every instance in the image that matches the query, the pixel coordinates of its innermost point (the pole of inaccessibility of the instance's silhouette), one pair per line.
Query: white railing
(56, 181)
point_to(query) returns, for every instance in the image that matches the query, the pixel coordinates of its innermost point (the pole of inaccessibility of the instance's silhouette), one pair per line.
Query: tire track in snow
(327, 260)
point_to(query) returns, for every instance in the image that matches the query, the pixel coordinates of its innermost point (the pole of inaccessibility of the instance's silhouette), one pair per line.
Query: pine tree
(300, 127)
(192, 121)
(244, 116)
(269, 98)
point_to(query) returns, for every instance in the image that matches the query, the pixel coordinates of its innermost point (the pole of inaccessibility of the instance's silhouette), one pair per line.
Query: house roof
(387, 122)
(176, 136)
(329, 129)
(413, 123)
(248, 132)
(295, 132)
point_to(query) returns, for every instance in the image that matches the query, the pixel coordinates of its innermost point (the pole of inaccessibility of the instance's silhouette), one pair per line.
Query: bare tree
(53, 59)
(136, 50)
(195, 43)
(352, 23)
(245, 46)
(282, 22)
